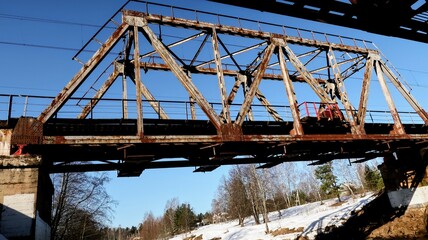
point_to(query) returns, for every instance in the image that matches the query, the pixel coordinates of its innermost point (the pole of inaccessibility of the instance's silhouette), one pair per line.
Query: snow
(313, 217)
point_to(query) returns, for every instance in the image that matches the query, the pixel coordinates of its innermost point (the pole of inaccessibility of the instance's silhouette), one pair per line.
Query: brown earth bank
(411, 225)
(378, 220)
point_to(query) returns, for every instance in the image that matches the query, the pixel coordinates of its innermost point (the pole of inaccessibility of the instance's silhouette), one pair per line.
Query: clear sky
(38, 39)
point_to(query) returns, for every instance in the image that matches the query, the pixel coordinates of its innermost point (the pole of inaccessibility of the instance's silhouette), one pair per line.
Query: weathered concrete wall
(25, 198)
(5, 138)
(411, 198)
(405, 177)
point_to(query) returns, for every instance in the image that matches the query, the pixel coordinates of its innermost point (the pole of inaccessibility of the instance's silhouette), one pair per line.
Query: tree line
(82, 207)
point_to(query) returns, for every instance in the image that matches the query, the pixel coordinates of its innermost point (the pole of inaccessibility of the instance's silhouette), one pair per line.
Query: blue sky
(30, 68)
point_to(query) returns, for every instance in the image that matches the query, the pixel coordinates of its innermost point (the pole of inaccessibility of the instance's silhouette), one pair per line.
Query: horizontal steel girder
(129, 15)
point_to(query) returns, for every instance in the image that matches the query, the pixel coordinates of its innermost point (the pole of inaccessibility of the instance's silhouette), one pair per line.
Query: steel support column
(255, 85)
(124, 96)
(398, 126)
(297, 125)
(362, 108)
(137, 71)
(404, 92)
(221, 83)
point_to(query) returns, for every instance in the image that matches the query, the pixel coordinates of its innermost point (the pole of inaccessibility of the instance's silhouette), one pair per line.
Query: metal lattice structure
(243, 70)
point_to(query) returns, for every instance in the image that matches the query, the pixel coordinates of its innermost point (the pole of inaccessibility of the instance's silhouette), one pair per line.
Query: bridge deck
(197, 142)
(156, 127)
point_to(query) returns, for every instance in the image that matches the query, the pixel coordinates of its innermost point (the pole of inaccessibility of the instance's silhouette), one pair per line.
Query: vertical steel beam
(84, 72)
(362, 108)
(124, 96)
(138, 84)
(221, 83)
(126, 54)
(297, 125)
(246, 88)
(98, 95)
(9, 109)
(306, 75)
(192, 108)
(151, 99)
(179, 73)
(398, 126)
(255, 85)
(404, 92)
(350, 116)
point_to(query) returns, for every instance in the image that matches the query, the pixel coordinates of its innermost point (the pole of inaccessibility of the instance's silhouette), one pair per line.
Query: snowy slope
(313, 217)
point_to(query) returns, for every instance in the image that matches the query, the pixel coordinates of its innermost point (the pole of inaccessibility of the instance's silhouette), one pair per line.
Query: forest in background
(82, 208)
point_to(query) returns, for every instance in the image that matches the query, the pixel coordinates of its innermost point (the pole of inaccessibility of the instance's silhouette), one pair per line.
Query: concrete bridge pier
(405, 177)
(25, 198)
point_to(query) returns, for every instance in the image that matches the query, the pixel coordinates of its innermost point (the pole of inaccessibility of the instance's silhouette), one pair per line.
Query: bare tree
(238, 201)
(246, 174)
(262, 183)
(151, 227)
(219, 204)
(81, 205)
(287, 173)
(169, 215)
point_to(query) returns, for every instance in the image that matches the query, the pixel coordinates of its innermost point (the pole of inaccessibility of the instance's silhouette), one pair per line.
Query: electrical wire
(54, 21)
(45, 20)
(42, 46)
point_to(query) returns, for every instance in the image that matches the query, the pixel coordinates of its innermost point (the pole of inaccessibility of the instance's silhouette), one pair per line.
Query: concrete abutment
(405, 177)
(25, 198)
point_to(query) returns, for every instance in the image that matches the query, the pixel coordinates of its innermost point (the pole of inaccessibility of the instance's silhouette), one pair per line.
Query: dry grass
(283, 231)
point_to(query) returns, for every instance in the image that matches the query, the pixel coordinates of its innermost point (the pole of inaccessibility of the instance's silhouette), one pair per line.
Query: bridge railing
(15, 106)
(105, 30)
(246, 23)
(312, 109)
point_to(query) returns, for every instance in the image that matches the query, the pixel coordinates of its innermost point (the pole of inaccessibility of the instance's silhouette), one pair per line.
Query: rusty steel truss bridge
(175, 87)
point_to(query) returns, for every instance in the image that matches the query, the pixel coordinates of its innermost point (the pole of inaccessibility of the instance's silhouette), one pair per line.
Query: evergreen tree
(329, 185)
(185, 218)
(372, 178)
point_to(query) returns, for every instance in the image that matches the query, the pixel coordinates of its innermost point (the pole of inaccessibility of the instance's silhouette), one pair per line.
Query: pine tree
(372, 178)
(184, 219)
(329, 185)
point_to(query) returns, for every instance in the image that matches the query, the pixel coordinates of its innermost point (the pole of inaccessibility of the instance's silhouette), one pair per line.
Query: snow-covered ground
(313, 217)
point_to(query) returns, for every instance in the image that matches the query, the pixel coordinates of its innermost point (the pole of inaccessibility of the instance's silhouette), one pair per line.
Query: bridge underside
(404, 19)
(97, 144)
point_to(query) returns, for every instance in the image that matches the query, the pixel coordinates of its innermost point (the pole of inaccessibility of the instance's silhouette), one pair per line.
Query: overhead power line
(45, 20)
(54, 21)
(42, 46)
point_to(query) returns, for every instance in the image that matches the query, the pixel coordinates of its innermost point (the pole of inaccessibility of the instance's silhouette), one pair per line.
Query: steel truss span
(240, 93)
